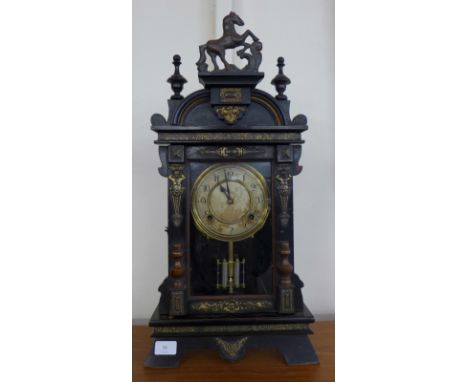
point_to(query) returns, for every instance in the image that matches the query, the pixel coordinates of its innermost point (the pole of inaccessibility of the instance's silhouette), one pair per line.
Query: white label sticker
(165, 348)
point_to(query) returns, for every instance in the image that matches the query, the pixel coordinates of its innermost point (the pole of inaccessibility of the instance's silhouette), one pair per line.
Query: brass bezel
(199, 223)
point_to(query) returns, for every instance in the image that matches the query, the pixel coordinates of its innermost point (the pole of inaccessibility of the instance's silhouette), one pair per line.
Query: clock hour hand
(224, 191)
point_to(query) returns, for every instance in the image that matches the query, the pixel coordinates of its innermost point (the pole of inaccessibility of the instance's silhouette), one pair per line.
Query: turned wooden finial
(281, 80)
(177, 80)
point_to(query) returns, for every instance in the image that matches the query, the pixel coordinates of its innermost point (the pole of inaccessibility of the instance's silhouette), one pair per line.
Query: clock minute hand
(227, 185)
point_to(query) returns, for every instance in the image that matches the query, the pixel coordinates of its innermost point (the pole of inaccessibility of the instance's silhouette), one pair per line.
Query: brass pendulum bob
(230, 273)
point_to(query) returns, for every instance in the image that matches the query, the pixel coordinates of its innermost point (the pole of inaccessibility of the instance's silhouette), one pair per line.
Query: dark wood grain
(258, 365)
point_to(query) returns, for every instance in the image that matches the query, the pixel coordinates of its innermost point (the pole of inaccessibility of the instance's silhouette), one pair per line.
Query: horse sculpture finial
(231, 40)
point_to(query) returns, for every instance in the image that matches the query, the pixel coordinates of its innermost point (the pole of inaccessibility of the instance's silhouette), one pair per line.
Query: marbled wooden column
(177, 272)
(285, 287)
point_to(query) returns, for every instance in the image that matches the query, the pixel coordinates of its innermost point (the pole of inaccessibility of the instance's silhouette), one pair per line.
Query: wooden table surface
(257, 365)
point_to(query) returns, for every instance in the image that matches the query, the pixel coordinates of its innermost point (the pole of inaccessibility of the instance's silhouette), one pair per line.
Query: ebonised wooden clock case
(230, 152)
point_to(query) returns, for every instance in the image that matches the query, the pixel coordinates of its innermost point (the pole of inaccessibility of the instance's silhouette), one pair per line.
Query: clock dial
(230, 202)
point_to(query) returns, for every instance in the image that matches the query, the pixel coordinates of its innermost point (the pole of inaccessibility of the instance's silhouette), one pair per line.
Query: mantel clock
(229, 152)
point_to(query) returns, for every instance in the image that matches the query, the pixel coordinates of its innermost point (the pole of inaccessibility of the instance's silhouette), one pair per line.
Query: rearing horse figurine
(230, 40)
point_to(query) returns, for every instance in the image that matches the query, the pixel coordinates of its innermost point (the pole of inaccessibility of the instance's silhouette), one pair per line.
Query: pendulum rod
(218, 273)
(231, 266)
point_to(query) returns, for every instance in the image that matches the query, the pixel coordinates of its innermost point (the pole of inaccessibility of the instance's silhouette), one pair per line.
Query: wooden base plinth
(231, 337)
(295, 349)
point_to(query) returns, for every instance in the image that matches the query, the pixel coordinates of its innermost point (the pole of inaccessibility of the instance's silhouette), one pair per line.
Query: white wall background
(302, 31)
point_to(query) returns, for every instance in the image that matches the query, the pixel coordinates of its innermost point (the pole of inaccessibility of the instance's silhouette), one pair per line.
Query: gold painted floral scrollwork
(227, 136)
(226, 152)
(230, 329)
(231, 306)
(176, 190)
